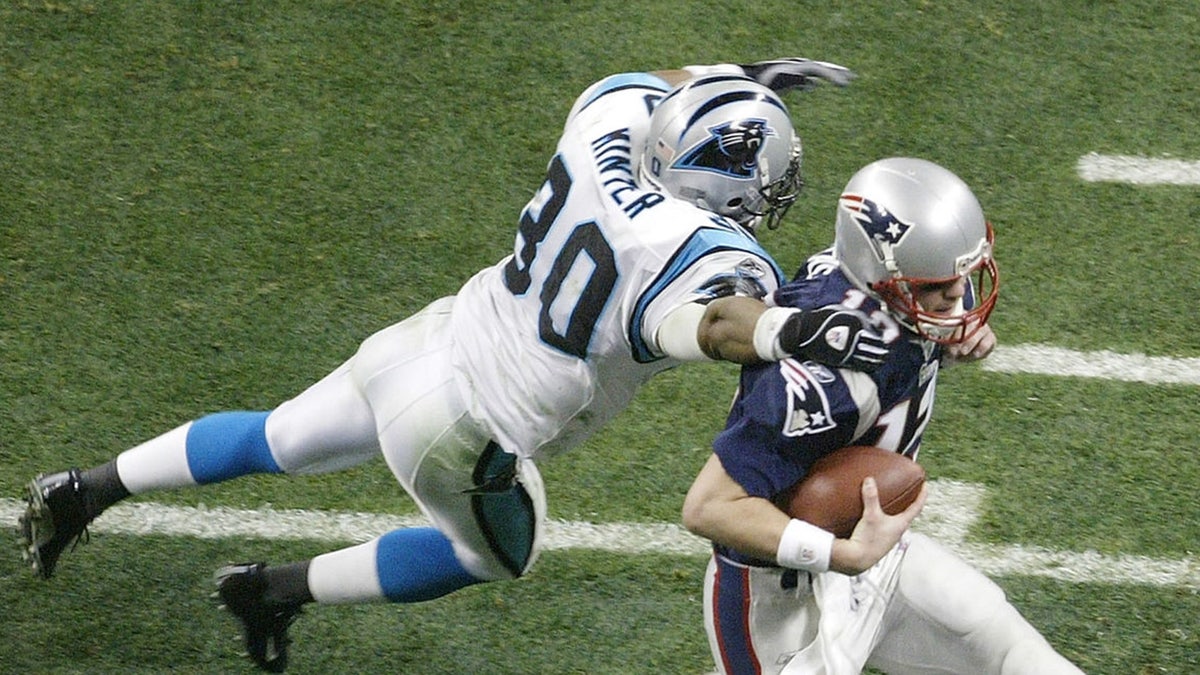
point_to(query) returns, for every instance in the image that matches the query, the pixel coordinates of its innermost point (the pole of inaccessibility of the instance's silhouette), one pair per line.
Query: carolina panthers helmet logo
(731, 149)
(883, 229)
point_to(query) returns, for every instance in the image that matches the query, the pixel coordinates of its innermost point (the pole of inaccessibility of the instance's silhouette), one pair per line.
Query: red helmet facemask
(983, 286)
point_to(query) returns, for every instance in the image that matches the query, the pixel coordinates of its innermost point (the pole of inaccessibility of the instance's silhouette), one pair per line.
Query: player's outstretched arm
(744, 330)
(780, 75)
(726, 329)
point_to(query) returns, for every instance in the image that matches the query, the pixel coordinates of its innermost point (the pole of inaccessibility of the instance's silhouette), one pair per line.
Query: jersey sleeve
(711, 263)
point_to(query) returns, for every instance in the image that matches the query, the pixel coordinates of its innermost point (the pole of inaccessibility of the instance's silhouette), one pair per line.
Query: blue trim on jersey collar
(627, 81)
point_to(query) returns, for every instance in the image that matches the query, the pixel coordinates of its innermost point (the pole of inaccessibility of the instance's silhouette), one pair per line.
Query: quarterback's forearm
(756, 527)
(718, 509)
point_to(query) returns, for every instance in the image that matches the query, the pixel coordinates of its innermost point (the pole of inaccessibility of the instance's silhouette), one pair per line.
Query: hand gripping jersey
(787, 415)
(554, 340)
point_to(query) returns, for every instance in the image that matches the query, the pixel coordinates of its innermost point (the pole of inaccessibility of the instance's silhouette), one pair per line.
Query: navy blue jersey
(787, 415)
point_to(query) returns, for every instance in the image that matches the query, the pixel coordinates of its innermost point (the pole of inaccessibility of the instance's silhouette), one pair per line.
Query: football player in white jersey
(636, 254)
(913, 251)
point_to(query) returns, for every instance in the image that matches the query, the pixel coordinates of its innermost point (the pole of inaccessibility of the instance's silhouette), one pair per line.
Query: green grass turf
(206, 206)
(126, 604)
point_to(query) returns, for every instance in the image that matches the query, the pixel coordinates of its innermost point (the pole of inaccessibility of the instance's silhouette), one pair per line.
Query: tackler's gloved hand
(797, 73)
(835, 336)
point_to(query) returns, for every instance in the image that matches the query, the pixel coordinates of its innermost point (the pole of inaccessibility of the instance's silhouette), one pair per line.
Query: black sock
(287, 584)
(102, 488)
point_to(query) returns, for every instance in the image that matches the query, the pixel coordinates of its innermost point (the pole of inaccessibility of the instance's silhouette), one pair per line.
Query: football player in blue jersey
(913, 251)
(636, 254)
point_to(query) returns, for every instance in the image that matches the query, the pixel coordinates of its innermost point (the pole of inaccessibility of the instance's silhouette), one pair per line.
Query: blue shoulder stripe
(704, 241)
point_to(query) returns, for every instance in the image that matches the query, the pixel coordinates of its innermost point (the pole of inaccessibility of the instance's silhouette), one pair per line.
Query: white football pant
(921, 609)
(398, 394)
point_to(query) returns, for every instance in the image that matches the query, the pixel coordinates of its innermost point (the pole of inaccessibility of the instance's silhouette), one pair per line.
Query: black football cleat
(55, 517)
(241, 589)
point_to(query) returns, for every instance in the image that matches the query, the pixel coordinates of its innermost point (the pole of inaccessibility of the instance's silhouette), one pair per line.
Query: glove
(781, 75)
(834, 336)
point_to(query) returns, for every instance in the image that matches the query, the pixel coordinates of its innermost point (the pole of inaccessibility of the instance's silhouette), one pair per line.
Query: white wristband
(805, 546)
(677, 334)
(716, 69)
(766, 332)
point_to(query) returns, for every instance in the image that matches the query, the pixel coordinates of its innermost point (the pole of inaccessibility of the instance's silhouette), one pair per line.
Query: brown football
(830, 496)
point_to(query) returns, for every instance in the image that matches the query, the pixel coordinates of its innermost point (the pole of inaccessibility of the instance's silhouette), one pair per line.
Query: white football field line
(1097, 168)
(1046, 360)
(952, 508)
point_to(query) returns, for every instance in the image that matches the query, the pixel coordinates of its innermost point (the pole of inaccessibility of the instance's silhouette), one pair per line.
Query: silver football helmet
(903, 222)
(726, 144)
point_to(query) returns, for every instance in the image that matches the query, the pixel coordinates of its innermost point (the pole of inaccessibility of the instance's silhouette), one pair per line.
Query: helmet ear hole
(734, 203)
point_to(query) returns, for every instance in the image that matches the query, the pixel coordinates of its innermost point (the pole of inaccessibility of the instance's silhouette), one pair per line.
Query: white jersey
(554, 340)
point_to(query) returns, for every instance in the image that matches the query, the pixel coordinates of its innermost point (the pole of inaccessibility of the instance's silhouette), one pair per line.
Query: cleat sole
(43, 539)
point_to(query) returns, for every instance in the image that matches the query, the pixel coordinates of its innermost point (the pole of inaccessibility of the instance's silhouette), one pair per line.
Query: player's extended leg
(328, 426)
(947, 617)
(501, 515)
(487, 505)
(484, 530)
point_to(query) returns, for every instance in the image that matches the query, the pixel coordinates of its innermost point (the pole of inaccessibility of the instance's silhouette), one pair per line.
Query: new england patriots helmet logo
(731, 149)
(880, 225)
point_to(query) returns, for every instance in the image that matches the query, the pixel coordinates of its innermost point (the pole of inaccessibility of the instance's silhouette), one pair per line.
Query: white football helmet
(726, 144)
(904, 221)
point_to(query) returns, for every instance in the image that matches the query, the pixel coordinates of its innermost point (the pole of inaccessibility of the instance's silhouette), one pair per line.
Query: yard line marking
(948, 514)
(1047, 360)
(1081, 567)
(1094, 167)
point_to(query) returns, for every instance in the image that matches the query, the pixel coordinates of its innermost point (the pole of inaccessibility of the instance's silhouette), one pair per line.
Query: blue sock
(227, 445)
(417, 564)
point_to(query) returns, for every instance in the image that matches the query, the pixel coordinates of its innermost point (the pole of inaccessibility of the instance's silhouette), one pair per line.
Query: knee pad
(938, 583)
(961, 610)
